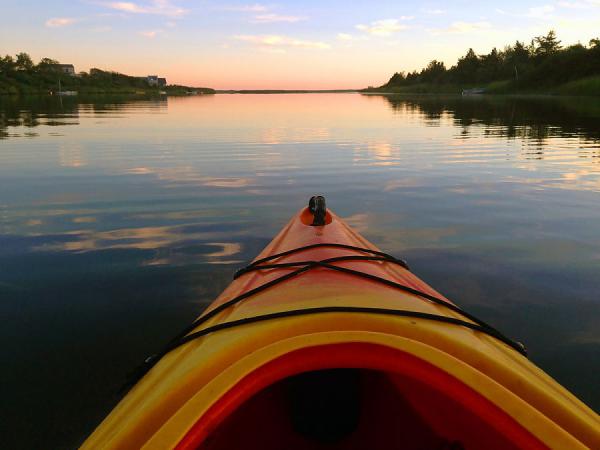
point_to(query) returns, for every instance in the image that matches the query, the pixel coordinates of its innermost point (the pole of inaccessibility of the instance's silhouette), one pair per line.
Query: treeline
(542, 63)
(20, 75)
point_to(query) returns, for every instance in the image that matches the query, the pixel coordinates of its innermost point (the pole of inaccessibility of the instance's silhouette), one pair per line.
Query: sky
(280, 45)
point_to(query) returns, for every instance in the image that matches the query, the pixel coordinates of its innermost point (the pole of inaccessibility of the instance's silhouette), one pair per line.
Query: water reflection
(532, 118)
(188, 175)
(190, 243)
(120, 219)
(71, 154)
(379, 153)
(34, 111)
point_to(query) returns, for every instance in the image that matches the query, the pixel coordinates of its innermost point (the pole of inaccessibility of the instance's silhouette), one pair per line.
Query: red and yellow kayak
(325, 342)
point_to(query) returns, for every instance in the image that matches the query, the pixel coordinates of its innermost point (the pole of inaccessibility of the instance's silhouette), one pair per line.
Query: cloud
(278, 44)
(271, 18)
(540, 12)
(159, 7)
(465, 27)
(385, 27)
(57, 22)
(257, 7)
(126, 7)
(344, 37)
(149, 34)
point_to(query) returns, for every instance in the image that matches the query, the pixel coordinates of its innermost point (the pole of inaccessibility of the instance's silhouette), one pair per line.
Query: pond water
(120, 219)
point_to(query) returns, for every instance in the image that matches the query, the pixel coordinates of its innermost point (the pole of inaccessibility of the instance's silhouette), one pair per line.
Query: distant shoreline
(178, 92)
(285, 91)
(588, 87)
(21, 76)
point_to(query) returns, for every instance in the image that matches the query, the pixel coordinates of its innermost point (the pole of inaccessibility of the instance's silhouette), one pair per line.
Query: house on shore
(67, 69)
(154, 80)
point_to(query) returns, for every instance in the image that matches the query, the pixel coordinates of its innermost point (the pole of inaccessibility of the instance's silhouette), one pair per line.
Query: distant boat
(64, 93)
(473, 91)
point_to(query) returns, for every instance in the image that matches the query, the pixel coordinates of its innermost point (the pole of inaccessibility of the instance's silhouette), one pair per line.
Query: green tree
(24, 61)
(491, 65)
(467, 67)
(595, 43)
(434, 72)
(520, 53)
(397, 79)
(546, 45)
(517, 59)
(7, 64)
(47, 64)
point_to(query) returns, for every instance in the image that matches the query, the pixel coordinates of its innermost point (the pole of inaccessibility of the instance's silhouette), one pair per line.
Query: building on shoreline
(67, 69)
(154, 80)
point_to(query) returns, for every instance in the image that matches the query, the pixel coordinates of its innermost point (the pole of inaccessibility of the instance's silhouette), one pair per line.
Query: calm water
(121, 219)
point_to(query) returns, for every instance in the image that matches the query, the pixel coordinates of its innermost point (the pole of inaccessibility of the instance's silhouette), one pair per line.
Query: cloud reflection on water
(377, 153)
(189, 175)
(172, 244)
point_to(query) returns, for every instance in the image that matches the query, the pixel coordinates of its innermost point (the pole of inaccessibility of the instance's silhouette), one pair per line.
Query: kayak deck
(361, 363)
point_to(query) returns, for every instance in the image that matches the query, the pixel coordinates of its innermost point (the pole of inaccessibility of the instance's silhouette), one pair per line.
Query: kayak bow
(326, 342)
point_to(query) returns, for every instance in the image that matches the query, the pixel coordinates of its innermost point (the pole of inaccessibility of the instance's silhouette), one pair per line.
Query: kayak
(326, 342)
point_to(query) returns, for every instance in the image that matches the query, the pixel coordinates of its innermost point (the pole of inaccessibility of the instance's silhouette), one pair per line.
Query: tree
(517, 59)
(595, 43)
(47, 64)
(7, 64)
(434, 72)
(546, 45)
(397, 79)
(470, 56)
(491, 65)
(413, 77)
(466, 68)
(48, 61)
(520, 53)
(24, 61)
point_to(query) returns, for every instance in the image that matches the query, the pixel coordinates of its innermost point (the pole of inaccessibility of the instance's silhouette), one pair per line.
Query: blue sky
(284, 44)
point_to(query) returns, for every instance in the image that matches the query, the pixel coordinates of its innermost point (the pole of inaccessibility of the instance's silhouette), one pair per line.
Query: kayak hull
(464, 386)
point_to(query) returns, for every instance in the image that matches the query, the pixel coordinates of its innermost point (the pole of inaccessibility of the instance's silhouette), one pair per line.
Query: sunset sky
(285, 44)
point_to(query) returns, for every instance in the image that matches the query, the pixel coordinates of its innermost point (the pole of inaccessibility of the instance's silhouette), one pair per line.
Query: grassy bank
(420, 88)
(586, 86)
(589, 86)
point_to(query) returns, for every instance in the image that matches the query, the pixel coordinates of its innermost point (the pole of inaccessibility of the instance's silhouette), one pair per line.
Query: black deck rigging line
(321, 244)
(346, 309)
(253, 268)
(186, 335)
(308, 265)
